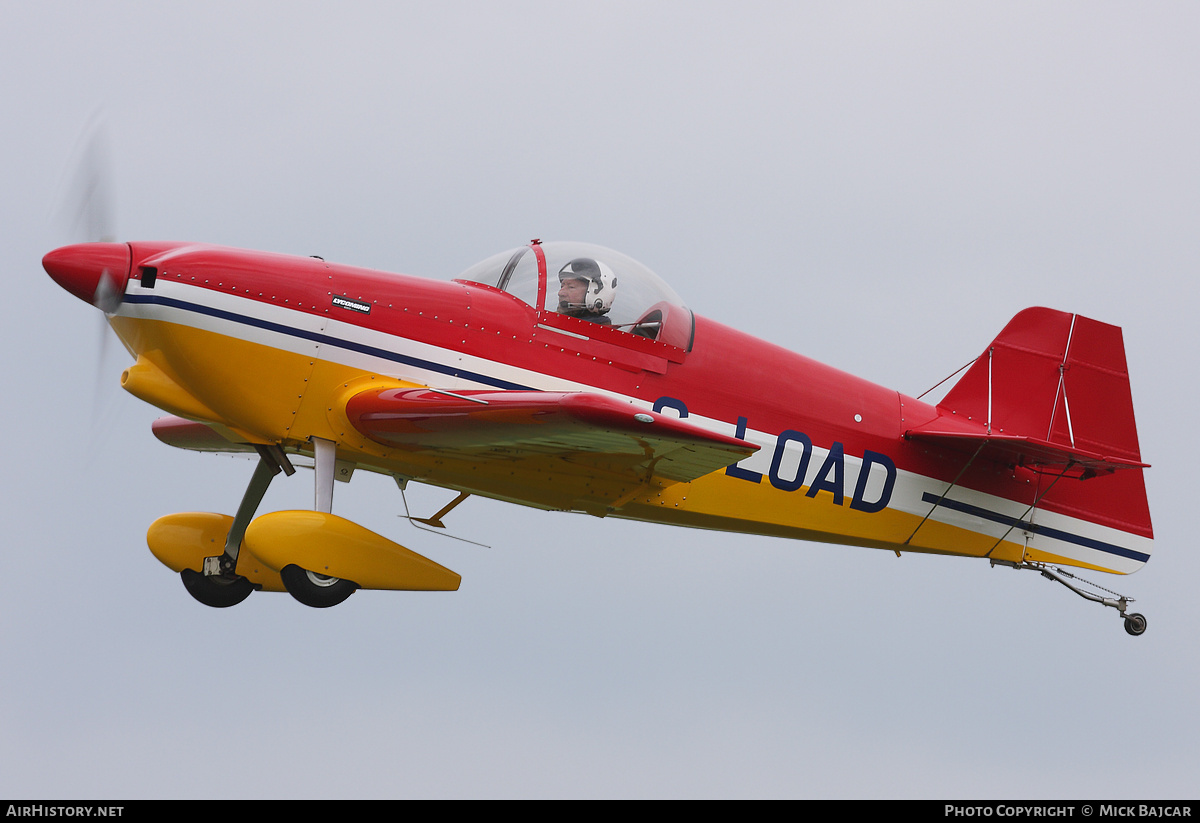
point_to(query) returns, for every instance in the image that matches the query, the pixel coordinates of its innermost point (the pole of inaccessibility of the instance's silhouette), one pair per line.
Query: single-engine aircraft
(567, 376)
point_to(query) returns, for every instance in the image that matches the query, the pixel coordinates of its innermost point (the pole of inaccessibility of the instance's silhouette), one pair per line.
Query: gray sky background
(877, 185)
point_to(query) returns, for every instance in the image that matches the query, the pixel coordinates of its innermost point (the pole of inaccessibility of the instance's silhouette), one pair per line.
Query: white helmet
(602, 286)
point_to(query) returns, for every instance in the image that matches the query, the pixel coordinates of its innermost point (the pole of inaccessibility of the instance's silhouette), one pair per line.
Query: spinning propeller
(95, 270)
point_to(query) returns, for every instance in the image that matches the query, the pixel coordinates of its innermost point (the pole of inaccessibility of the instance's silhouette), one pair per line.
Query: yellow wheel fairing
(330, 545)
(182, 541)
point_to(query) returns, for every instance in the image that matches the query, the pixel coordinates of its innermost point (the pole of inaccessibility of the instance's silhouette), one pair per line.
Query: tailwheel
(1135, 624)
(317, 590)
(218, 592)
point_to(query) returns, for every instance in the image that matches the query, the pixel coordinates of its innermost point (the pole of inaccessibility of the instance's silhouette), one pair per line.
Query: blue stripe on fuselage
(323, 339)
(1046, 531)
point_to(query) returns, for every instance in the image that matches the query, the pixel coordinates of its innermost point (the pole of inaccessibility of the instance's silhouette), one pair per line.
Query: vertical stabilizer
(1055, 376)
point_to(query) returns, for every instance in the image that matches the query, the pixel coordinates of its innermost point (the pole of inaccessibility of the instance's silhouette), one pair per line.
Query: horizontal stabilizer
(1019, 450)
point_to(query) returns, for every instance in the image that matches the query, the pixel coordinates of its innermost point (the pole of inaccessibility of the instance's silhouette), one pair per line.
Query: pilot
(586, 290)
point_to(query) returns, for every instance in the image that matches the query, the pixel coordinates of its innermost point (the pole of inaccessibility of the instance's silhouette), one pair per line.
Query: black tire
(1135, 624)
(218, 592)
(317, 590)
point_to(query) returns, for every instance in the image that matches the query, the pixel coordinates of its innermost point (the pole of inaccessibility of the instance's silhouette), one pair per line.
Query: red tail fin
(1055, 376)
(1052, 391)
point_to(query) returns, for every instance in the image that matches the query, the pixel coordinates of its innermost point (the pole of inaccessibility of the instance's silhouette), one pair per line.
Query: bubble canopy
(641, 303)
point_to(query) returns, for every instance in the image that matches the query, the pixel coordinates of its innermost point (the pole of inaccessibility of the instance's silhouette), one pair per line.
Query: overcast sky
(877, 185)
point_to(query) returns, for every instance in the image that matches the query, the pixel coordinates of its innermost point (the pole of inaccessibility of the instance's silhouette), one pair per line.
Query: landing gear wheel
(1135, 624)
(218, 592)
(316, 590)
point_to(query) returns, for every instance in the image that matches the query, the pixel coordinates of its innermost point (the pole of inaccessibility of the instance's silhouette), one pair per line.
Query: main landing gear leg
(1135, 624)
(219, 585)
(310, 588)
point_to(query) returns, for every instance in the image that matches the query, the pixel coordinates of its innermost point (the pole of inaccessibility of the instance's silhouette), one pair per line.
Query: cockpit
(589, 290)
